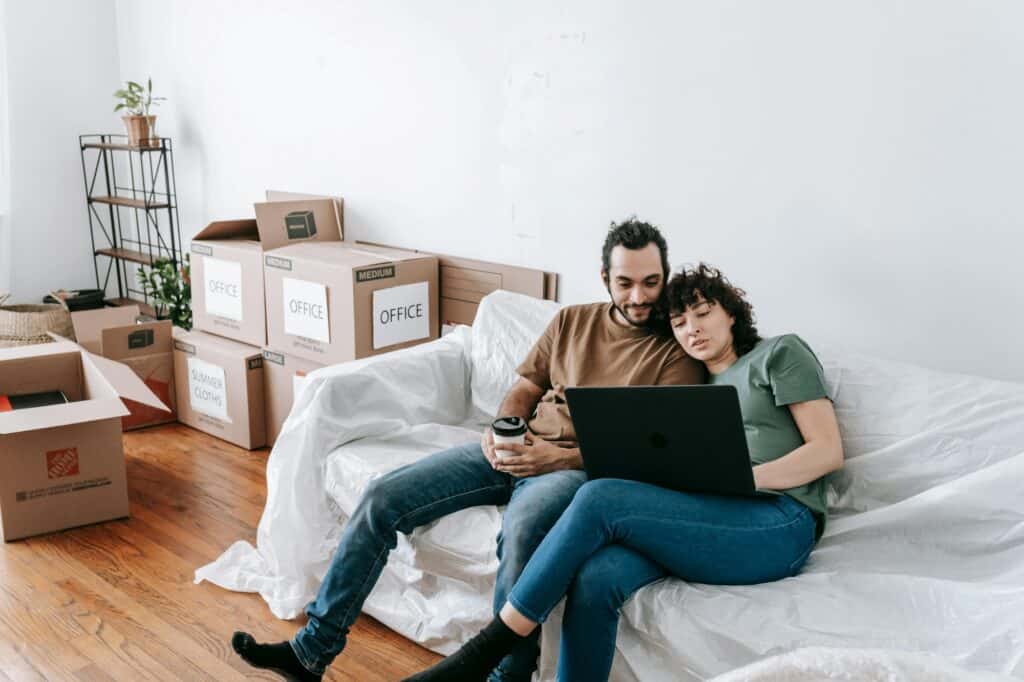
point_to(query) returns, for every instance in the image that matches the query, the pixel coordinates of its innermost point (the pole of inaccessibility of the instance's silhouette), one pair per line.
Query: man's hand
(487, 445)
(536, 457)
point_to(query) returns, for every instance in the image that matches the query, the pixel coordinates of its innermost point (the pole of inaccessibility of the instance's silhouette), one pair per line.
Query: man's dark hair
(704, 281)
(634, 234)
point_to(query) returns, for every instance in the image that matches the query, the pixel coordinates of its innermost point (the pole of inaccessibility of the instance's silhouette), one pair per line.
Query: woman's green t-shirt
(776, 373)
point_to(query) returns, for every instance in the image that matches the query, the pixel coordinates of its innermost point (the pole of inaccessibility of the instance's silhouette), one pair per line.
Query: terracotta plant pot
(141, 130)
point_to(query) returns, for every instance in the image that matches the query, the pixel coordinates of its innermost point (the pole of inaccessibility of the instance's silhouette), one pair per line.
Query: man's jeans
(618, 536)
(415, 495)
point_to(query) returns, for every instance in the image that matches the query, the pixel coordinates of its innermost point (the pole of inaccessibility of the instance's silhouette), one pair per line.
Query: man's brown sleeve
(681, 369)
(537, 365)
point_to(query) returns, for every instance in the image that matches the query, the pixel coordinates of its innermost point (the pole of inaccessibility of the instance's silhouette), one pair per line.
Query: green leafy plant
(171, 290)
(136, 99)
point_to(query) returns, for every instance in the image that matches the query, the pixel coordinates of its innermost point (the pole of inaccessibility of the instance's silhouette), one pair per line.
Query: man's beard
(652, 317)
(625, 315)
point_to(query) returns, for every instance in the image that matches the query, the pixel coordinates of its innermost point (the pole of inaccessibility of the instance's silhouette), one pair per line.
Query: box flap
(137, 340)
(339, 204)
(89, 324)
(229, 229)
(302, 220)
(121, 378)
(124, 380)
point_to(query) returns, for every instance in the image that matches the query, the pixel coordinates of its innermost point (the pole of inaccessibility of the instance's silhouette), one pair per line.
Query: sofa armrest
(298, 531)
(429, 383)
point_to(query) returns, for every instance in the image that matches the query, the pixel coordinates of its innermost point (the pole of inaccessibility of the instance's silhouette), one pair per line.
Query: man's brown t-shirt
(584, 346)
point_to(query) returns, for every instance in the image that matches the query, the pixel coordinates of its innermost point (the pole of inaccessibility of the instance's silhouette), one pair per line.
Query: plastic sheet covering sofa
(924, 553)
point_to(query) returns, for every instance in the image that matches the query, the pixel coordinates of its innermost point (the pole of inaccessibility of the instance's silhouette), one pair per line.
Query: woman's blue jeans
(618, 536)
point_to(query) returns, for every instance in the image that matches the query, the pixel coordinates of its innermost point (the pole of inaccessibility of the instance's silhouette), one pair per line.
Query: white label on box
(305, 309)
(222, 282)
(207, 389)
(401, 314)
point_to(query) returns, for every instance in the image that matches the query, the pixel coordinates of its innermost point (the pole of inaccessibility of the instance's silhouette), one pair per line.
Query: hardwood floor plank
(116, 601)
(14, 664)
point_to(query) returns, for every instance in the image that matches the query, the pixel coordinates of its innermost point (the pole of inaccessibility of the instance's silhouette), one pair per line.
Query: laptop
(687, 438)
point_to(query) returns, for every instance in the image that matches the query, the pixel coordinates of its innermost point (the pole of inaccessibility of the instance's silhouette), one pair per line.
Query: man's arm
(520, 401)
(537, 456)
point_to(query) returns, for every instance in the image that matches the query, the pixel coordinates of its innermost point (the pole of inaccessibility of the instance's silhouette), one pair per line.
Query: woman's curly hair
(704, 281)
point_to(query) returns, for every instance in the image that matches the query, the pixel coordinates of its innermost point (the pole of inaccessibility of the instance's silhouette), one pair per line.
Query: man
(600, 344)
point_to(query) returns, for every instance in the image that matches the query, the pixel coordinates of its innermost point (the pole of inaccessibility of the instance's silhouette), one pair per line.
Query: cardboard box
(227, 266)
(336, 302)
(280, 372)
(144, 346)
(219, 383)
(465, 282)
(63, 465)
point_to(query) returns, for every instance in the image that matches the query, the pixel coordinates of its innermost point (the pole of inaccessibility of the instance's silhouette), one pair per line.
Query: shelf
(121, 147)
(124, 201)
(126, 254)
(148, 231)
(144, 308)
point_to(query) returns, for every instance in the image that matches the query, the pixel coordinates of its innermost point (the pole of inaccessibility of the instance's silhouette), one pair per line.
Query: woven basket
(24, 325)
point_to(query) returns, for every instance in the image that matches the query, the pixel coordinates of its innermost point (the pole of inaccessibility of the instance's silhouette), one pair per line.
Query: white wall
(61, 72)
(855, 166)
(5, 187)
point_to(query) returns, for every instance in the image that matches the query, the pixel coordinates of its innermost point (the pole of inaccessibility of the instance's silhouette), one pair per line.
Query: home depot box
(227, 267)
(335, 302)
(219, 383)
(280, 372)
(63, 465)
(145, 346)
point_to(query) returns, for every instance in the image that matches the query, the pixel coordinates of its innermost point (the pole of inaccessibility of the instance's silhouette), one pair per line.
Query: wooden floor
(115, 601)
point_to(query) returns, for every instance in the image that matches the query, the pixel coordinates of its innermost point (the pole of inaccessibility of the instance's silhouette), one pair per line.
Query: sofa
(923, 555)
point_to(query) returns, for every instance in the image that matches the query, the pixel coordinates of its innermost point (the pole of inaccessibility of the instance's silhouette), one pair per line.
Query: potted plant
(136, 101)
(171, 290)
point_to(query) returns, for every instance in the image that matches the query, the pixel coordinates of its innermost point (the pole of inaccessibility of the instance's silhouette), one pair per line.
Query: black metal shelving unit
(133, 211)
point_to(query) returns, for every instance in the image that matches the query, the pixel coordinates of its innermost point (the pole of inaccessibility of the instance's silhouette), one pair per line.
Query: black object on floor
(26, 401)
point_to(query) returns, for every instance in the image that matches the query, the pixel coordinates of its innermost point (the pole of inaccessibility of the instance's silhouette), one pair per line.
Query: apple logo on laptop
(659, 440)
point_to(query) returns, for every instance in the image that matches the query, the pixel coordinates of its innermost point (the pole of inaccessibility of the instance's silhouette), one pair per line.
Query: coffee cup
(508, 430)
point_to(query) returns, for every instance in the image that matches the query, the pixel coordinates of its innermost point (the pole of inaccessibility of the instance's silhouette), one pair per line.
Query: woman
(618, 535)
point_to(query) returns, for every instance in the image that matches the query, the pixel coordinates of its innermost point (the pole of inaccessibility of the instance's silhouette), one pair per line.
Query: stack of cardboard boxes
(282, 295)
(273, 299)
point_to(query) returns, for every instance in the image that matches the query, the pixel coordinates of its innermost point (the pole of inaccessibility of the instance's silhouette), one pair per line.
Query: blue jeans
(413, 496)
(618, 536)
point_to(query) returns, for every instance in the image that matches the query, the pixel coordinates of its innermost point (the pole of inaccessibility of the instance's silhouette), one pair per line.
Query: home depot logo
(62, 463)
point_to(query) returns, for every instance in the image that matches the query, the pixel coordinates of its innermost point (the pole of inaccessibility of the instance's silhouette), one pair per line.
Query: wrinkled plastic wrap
(815, 664)
(924, 551)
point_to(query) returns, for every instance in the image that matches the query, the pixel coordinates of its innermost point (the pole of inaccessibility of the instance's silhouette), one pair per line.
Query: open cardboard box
(63, 465)
(144, 346)
(227, 260)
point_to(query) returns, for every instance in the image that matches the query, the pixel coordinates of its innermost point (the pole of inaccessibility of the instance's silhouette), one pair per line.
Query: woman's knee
(599, 497)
